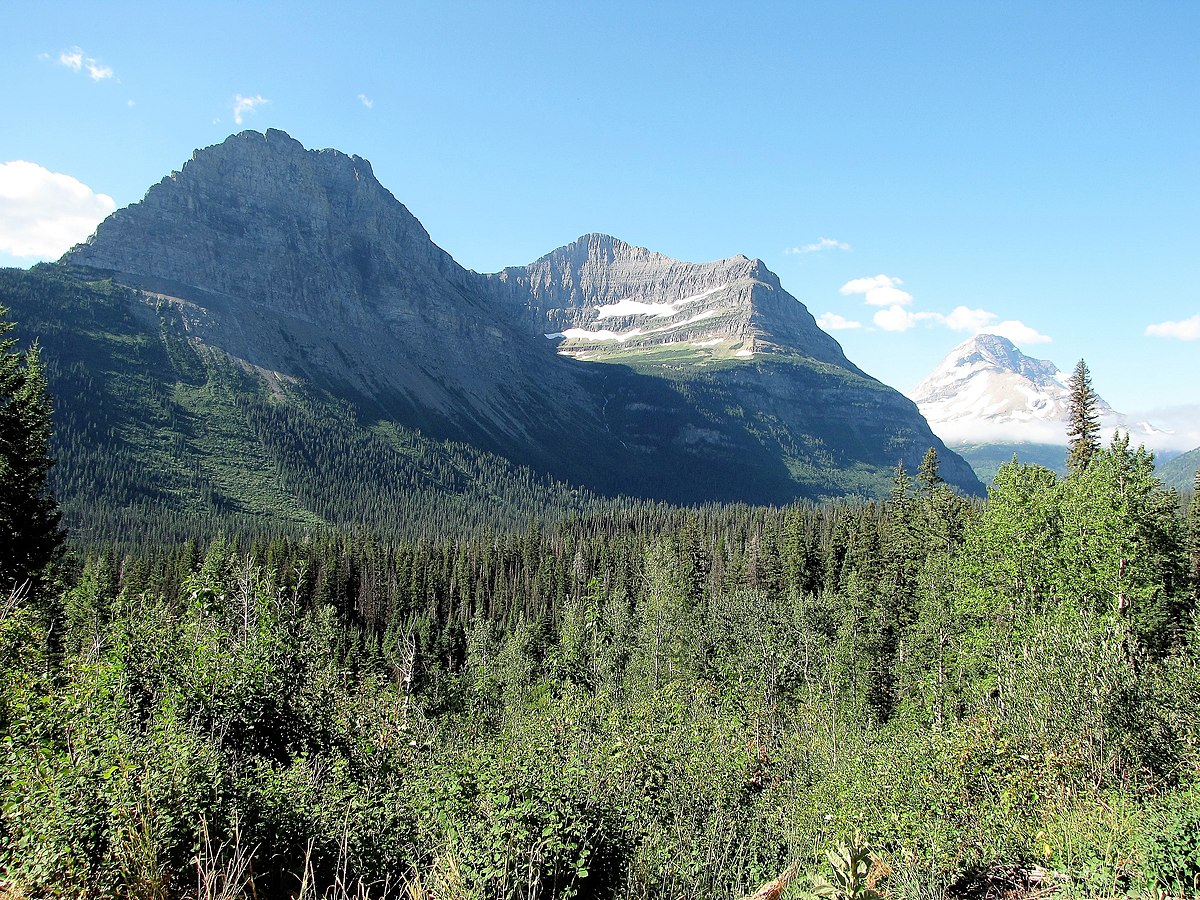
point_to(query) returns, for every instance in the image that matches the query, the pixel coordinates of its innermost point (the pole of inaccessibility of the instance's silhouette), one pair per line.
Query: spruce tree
(928, 474)
(1083, 422)
(30, 534)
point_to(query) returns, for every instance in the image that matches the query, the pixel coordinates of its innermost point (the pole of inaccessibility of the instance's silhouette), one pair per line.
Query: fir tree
(928, 473)
(30, 535)
(1083, 423)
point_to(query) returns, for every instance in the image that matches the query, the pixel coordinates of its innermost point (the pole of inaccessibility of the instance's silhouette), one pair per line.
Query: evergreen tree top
(30, 536)
(1083, 420)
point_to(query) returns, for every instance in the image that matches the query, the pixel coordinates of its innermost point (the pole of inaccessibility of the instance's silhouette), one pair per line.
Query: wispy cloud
(1017, 332)
(818, 245)
(961, 318)
(43, 213)
(897, 318)
(78, 61)
(244, 106)
(975, 321)
(72, 59)
(878, 290)
(884, 291)
(831, 321)
(1183, 330)
(366, 101)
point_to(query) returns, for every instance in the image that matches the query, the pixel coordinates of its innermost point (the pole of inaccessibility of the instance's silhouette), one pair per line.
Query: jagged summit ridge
(599, 293)
(993, 356)
(260, 217)
(992, 350)
(599, 269)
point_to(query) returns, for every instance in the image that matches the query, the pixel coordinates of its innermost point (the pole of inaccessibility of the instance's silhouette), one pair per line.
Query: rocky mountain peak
(260, 218)
(599, 295)
(993, 352)
(598, 268)
(299, 263)
(300, 268)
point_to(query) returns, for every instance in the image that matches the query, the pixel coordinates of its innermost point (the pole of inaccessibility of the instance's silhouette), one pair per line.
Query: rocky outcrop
(602, 293)
(790, 386)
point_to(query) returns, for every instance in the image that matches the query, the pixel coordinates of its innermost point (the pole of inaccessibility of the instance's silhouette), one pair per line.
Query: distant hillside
(1180, 471)
(986, 459)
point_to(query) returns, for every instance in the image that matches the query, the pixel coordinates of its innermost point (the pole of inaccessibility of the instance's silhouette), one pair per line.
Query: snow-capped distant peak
(986, 390)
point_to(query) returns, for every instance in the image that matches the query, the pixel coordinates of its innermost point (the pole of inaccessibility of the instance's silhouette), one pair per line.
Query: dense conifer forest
(917, 697)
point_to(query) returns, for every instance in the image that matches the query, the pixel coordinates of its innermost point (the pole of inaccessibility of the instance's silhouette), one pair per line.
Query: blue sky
(922, 170)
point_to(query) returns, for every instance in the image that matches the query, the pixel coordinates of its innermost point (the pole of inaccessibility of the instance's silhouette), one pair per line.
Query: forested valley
(916, 697)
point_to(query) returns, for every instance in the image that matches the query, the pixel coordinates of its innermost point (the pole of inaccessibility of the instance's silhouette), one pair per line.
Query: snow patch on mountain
(582, 334)
(605, 287)
(634, 307)
(605, 334)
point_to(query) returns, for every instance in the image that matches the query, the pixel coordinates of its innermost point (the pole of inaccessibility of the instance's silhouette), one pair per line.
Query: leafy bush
(1170, 843)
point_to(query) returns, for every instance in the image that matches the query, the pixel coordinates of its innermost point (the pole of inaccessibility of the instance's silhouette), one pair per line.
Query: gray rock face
(600, 292)
(299, 263)
(261, 218)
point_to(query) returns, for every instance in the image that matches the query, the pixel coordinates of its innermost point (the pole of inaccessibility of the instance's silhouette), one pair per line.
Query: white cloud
(366, 101)
(1183, 330)
(897, 318)
(244, 106)
(973, 320)
(883, 290)
(75, 60)
(1018, 332)
(43, 213)
(879, 290)
(818, 245)
(72, 59)
(831, 321)
(976, 321)
(981, 431)
(1171, 427)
